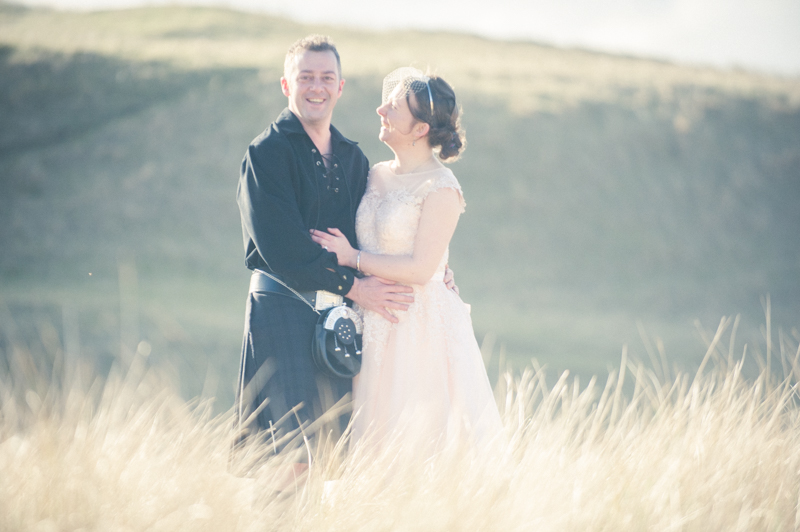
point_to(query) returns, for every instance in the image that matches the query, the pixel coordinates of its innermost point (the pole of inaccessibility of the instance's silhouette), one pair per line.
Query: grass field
(710, 451)
(610, 198)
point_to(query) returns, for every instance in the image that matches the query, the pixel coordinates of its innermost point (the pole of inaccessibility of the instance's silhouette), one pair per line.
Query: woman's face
(397, 122)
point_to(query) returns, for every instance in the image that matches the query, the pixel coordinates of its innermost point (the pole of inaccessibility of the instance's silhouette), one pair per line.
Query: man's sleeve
(271, 216)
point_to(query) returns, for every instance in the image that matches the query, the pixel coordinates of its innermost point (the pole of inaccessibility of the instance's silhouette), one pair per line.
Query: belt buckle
(326, 300)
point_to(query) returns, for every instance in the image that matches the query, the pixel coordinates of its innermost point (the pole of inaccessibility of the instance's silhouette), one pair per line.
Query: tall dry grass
(647, 450)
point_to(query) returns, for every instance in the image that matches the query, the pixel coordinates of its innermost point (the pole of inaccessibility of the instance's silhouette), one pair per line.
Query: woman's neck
(413, 159)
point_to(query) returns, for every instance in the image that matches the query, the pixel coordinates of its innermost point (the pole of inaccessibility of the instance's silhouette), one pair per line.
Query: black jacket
(285, 190)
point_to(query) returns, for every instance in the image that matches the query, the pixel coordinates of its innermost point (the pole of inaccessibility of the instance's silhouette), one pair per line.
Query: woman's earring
(414, 143)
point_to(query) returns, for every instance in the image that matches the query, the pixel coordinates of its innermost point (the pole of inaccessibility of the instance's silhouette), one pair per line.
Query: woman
(423, 376)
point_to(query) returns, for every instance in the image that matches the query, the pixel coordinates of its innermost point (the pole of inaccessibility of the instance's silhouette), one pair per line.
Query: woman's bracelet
(358, 261)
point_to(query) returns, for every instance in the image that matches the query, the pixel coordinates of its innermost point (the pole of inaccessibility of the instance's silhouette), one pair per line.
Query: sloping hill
(601, 190)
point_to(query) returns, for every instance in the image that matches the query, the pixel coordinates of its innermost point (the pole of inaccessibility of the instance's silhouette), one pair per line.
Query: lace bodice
(389, 213)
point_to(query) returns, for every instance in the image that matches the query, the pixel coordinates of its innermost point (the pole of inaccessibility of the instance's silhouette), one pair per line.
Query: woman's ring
(325, 248)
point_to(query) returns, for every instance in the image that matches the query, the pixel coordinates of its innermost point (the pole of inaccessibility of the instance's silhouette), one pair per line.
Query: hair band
(430, 94)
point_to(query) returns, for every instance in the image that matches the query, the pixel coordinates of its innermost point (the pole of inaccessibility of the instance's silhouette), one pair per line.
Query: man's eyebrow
(313, 71)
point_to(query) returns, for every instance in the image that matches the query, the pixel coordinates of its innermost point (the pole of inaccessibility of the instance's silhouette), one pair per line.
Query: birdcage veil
(411, 79)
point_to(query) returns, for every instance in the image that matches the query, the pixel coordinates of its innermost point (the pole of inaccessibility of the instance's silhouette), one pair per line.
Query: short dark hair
(312, 43)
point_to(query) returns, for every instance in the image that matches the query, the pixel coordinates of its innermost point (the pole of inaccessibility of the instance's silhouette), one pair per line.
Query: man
(299, 174)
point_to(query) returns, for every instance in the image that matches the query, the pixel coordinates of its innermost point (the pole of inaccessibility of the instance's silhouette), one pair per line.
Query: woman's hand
(335, 242)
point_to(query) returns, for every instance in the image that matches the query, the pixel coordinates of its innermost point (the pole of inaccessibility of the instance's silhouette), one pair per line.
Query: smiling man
(299, 174)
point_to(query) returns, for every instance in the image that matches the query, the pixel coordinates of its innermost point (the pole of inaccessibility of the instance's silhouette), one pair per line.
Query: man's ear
(285, 87)
(341, 86)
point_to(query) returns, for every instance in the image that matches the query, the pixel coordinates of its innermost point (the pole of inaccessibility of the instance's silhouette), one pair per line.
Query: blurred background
(632, 174)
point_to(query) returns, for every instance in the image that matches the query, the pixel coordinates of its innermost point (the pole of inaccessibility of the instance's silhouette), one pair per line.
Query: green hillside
(601, 190)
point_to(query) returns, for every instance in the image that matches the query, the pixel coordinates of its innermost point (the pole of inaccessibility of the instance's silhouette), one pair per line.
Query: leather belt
(319, 300)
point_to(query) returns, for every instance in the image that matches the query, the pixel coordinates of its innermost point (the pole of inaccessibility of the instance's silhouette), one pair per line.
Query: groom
(299, 174)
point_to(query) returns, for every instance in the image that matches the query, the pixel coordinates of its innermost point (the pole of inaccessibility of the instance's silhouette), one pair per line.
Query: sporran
(337, 342)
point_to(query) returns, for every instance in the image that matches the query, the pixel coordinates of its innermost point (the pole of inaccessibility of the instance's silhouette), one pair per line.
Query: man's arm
(271, 216)
(380, 295)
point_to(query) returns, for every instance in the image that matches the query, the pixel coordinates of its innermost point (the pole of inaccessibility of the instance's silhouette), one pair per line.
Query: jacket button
(344, 277)
(318, 163)
(336, 190)
(340, 287)
(313, 150)
(335, 165)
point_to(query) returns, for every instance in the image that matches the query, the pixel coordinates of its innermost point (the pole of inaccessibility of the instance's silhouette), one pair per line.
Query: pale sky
(761, 35)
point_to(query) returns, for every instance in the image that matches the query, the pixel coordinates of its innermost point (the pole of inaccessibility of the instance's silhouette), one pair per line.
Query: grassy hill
(602, 190)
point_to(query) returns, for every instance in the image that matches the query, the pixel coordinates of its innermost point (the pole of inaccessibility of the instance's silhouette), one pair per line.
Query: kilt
(277, 374)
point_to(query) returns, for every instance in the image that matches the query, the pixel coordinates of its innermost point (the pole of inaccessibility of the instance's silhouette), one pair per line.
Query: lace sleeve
(447, 180)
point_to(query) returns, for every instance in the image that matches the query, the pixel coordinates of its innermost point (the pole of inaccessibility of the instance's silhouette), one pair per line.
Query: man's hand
(380, 295)
(449, 279)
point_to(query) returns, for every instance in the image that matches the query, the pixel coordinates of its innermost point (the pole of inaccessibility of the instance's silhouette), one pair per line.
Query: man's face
(313, 86)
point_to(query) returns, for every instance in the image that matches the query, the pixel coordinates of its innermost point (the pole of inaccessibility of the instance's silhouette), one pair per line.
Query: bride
(423, 377)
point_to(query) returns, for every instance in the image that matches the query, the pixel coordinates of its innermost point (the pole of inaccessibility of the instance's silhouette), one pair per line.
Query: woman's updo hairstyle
(445, 133)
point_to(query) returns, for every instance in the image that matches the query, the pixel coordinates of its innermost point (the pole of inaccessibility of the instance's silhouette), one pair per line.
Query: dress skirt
(423, 380)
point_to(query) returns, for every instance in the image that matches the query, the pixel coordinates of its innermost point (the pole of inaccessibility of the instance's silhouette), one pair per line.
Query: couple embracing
(323, 228)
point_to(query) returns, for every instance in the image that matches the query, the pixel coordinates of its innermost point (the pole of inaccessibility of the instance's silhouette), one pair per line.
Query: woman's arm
(437, 223)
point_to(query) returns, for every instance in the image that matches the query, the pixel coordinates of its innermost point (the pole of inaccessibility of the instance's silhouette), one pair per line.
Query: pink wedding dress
(422, 379)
